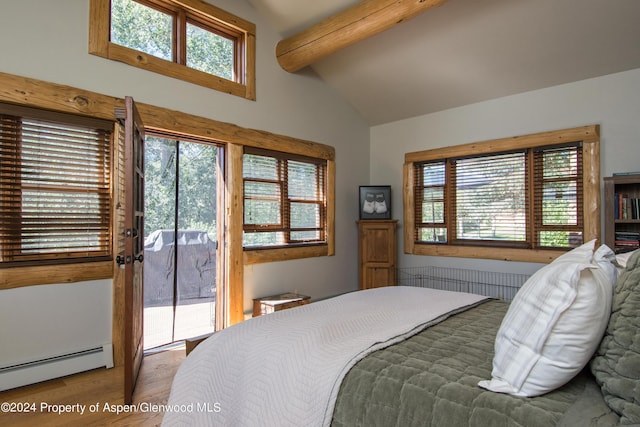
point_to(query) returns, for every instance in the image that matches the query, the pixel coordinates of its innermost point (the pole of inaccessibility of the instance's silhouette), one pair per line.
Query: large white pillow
(607, 261)
(621, 259)
(553, 325)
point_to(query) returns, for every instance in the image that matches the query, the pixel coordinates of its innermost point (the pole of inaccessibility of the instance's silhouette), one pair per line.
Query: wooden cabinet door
(377, 253)
(377, 277)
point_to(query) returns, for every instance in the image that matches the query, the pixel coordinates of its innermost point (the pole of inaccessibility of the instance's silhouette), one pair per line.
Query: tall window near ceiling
(523, 194)
(284, 199)
(190, 40)
(55, 185)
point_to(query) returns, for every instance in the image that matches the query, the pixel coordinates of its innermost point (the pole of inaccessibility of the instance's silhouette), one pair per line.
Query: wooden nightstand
(266, 305)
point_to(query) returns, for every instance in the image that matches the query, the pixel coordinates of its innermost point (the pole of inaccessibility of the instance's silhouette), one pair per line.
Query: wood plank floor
(98, 387)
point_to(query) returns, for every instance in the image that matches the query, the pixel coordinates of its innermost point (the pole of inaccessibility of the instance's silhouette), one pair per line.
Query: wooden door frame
(36, 93)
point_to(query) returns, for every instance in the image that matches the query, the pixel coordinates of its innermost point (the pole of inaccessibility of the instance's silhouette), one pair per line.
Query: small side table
(270, 304)
(191, 343)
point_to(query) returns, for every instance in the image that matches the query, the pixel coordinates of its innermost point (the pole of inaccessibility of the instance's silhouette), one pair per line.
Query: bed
(403, 356)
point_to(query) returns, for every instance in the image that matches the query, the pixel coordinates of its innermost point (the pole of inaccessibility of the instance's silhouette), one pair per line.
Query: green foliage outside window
(149, 30)
(490, 199)
(141, 28)
(209, 52)
(196, 180)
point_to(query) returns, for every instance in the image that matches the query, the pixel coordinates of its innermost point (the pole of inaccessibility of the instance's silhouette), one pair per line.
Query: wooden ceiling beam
(363, 20)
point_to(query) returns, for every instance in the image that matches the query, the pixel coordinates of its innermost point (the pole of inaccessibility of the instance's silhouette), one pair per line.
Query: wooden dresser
(377, 253)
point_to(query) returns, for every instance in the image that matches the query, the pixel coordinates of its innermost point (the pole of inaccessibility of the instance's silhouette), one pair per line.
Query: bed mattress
(431, 379)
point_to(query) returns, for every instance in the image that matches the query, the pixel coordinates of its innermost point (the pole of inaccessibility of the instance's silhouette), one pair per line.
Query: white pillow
(621, 259)
(607, 261)
(553, 325)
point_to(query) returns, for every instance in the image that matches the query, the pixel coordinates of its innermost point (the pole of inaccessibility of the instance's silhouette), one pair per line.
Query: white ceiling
(467, 51)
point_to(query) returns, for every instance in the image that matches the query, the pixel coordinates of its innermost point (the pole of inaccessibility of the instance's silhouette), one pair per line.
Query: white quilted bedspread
(285, 368)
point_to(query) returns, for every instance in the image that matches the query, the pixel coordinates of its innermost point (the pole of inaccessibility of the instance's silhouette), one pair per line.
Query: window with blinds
(54, 187)
(284, 199)
(558, 199)
(528, 198)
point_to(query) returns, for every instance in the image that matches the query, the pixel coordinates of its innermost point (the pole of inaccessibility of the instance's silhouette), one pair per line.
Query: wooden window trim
(40, 94)
(285, 201)
(262, 255)
(16, 277)
(537, 205)
(100, 45)
(32, 144)
(589, 135)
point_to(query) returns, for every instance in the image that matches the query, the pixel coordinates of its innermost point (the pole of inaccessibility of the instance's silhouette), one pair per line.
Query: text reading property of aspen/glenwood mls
(78, 408)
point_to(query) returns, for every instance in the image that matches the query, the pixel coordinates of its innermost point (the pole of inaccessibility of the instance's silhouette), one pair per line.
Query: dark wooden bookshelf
(622, 212)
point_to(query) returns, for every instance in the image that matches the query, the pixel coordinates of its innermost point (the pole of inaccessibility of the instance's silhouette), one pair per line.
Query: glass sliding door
(181, 239)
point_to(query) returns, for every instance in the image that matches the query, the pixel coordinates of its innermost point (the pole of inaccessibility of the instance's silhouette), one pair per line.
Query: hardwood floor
(99, 387)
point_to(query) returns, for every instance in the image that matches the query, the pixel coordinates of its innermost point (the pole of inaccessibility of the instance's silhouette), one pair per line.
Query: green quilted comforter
(431, 379)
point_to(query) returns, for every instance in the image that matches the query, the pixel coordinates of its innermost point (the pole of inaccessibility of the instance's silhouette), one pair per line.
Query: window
(524, 194)
(558, 211)
(55, 197)
(284, 199)
(188, 39)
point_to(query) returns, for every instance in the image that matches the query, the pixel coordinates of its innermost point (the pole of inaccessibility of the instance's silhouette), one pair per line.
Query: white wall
(52, 46)
(51, 320)
(611, 101)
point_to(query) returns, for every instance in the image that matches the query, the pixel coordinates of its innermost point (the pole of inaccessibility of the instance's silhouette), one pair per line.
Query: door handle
(121, 260)
(131, 232)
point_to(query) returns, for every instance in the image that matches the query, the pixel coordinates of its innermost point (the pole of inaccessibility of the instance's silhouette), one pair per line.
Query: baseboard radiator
(36, 371)
(489, 283)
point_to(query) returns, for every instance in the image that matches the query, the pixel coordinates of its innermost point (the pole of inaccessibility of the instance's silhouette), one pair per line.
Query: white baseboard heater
(36, 371)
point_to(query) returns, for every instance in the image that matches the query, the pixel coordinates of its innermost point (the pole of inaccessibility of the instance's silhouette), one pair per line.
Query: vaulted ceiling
(465, 51)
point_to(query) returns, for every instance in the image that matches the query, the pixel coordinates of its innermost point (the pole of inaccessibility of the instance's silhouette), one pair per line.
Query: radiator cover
(36, 371)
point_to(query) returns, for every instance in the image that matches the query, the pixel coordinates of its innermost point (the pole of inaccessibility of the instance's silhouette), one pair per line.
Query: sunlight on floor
(191, 320)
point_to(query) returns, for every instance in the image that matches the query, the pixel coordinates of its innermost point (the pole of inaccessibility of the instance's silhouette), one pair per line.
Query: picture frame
(375, 202)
